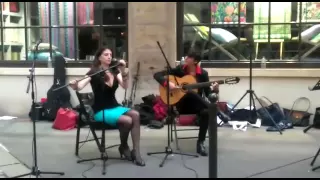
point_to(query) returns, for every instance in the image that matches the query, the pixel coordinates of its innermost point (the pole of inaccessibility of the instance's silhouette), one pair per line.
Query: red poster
(14, 6)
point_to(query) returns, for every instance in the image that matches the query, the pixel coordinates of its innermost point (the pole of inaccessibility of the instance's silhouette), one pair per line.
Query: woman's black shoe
(137, 160)
(125, 152)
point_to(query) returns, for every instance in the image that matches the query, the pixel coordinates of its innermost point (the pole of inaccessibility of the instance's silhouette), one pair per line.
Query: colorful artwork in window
(228, 12)
(310, 11)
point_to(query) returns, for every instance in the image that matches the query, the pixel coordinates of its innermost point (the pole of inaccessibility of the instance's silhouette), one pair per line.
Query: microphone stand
(35, 169)
(128, 102)
(170, 119)
(134, 87)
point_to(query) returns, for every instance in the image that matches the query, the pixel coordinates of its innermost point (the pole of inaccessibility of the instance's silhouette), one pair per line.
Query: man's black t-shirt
(104, 95)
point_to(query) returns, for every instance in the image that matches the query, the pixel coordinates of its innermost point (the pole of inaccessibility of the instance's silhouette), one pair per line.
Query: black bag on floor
(273, 109)
(39, 112)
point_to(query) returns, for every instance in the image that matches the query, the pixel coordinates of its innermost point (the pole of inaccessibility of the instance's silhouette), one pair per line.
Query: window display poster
(228, 12)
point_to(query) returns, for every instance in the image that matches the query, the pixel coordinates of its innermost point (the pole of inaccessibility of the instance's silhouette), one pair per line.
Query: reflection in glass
(88, 41)
(13, 14)
(38, 13)
(228, 12)
(310, 11)
(43, 52)
(114, 13)
(62, 13)
(310, 41)
(63, 39)
(201, 10)
(115, 39)
(86, 13)
(14, 44)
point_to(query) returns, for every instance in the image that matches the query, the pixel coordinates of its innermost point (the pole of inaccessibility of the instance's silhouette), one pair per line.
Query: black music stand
(170, 119)
(252, 94)
(314, 88)
(35, 169)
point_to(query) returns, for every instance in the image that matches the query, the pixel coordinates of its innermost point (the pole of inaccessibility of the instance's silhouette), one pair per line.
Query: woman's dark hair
(96, 62)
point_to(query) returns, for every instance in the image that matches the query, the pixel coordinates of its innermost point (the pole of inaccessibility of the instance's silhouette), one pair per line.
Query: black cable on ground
(5, 165)
(93, 164)
(185, 165)
(279, 167)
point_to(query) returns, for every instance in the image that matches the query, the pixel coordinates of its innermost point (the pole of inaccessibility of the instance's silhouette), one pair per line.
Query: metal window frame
(243, 64)
(75, 26)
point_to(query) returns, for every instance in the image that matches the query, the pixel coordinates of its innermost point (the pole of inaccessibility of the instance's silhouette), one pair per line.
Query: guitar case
(60, 98)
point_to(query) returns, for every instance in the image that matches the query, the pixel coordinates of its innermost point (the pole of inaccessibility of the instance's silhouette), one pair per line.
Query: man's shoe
(201, 149)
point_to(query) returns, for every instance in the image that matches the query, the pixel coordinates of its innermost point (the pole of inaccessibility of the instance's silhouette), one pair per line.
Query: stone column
(150, 22)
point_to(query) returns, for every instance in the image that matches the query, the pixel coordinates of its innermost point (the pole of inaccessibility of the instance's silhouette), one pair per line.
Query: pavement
(254, 153)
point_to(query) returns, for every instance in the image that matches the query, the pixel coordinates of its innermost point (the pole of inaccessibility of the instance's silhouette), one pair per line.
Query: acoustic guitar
(188, 83)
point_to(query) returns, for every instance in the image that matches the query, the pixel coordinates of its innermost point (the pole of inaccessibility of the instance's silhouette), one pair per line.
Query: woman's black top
(104, 95)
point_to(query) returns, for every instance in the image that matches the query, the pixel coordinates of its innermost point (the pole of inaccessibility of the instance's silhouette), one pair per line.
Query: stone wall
(150, 22)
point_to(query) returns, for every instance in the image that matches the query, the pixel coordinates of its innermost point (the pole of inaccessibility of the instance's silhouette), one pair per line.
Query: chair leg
(171, 130)
(102, 148)
(176, 135)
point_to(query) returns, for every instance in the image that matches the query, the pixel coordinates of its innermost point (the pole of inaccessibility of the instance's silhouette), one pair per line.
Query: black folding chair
(174, 129)
(85, 118)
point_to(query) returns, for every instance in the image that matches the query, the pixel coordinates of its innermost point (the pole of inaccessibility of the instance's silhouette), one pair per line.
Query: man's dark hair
(195, 55)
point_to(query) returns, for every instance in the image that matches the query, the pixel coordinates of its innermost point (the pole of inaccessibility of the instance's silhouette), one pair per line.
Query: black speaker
(316, 119)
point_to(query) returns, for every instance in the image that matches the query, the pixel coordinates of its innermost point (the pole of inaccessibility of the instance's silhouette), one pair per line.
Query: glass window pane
(223, 44)
(63, 40)
(115, 38)
(199, 11)
(195, 38)
(13, 14)
(37, 13)
(114, 13)
(310, 42)
(14, 43)
(62, 14)
(34, 35)
(88, 41)
(228, 12)
(310, 11)
(88, 13)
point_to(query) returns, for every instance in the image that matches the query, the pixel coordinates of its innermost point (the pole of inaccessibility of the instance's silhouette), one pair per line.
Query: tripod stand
(170, 119)
(128, 102)
(35, 169)
(252, 94)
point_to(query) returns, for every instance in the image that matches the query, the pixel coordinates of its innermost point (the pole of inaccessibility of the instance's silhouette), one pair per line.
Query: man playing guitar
(192, 103)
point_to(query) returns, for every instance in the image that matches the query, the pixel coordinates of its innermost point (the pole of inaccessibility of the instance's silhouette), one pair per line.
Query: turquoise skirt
(111, 116)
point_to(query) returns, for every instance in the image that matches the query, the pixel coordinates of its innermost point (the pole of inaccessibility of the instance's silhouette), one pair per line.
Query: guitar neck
(203, 84)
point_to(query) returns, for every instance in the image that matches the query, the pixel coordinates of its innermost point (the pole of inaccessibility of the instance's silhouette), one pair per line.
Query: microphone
(310, 88)
(38, 42)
